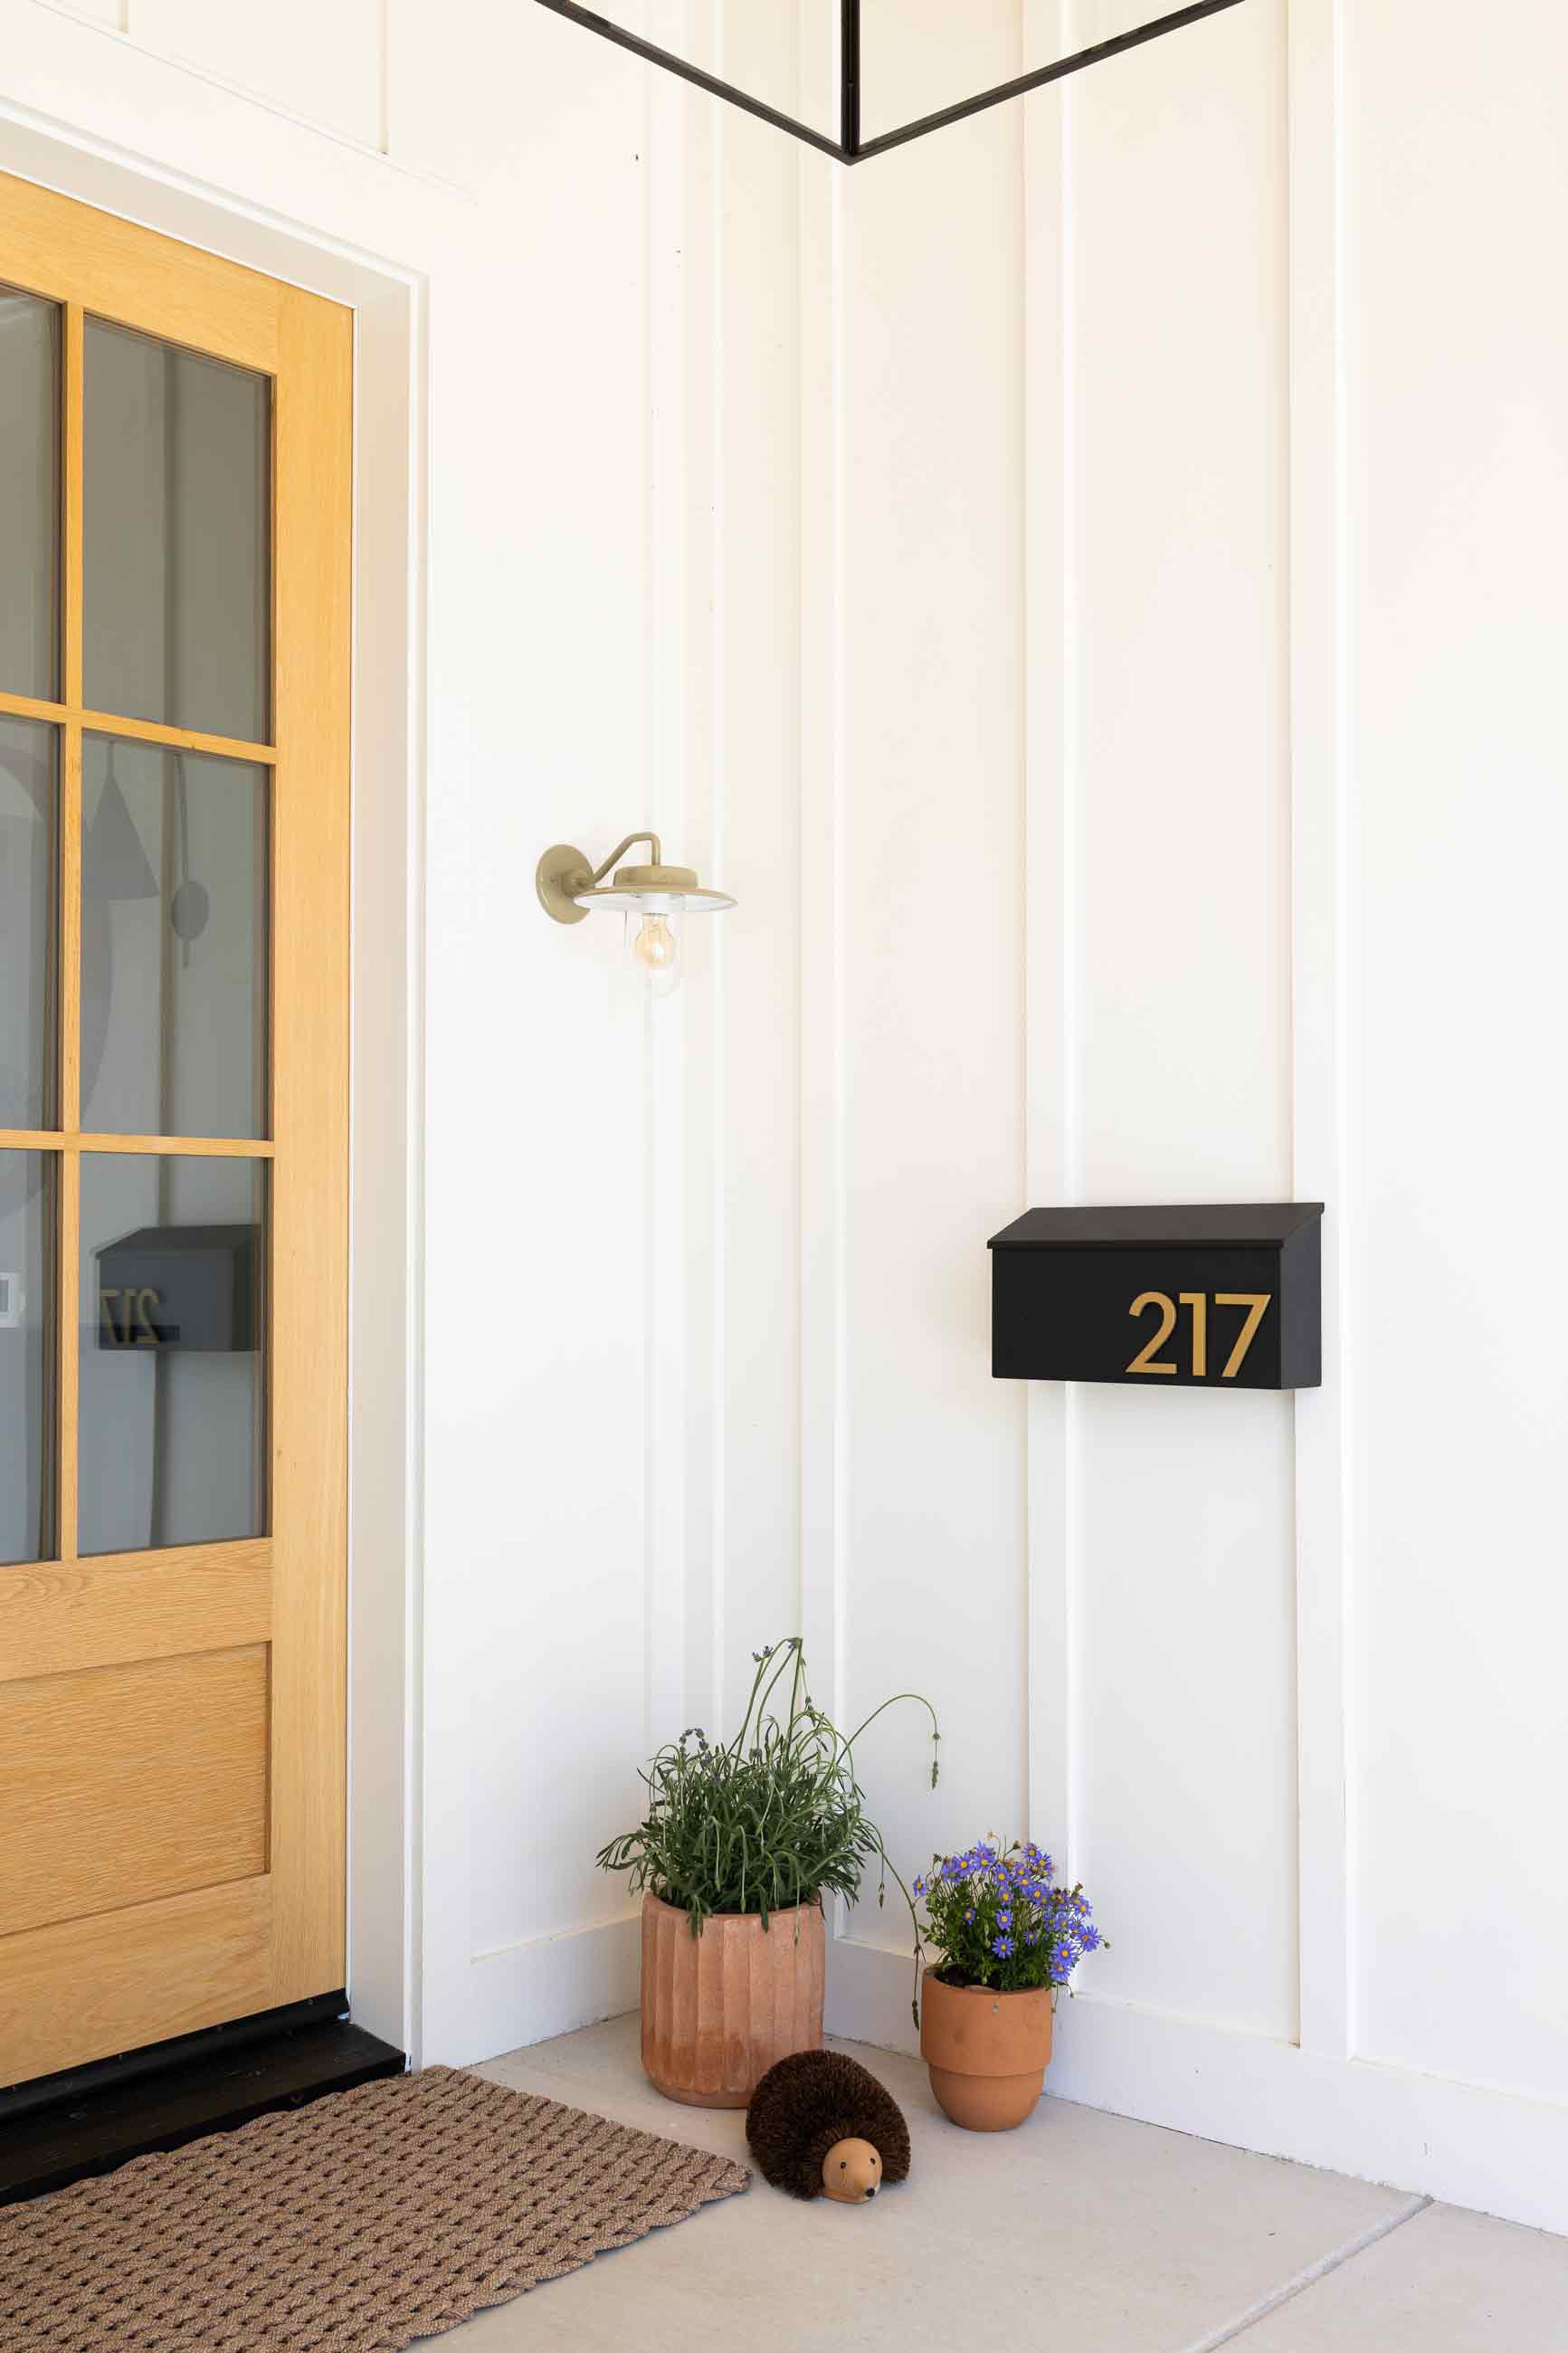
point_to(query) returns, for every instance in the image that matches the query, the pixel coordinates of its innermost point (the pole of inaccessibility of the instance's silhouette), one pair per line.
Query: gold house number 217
(1255, 1304)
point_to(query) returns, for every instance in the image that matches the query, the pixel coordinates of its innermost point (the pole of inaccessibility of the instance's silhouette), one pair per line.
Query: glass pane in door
(26, 1354)
(174, 941)
(172, 1428)
(28, 774)
(29, 492)
(177, 558)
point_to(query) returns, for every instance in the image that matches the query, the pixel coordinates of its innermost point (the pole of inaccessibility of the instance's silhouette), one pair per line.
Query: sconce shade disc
(656, 878)
(561, 873)
(657, 898)
(660, 890)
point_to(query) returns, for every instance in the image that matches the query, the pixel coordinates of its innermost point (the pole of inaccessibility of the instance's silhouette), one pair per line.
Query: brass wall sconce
(655, 898)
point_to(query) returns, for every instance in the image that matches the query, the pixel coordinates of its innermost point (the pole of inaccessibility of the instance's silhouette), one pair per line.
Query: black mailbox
(1183, 1297)
(181, 1287)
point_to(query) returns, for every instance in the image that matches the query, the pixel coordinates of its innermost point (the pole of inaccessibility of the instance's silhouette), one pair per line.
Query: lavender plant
(997, 1918)
(767, 1822)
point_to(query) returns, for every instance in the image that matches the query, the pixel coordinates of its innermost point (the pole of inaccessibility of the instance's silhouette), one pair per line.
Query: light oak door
(174, 633)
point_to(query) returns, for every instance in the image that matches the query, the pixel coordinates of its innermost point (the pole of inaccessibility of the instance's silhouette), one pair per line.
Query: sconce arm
(563, 878)
(619, 852)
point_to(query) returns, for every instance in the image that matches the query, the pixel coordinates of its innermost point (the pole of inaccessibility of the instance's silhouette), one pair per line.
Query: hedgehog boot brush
(821, 2125)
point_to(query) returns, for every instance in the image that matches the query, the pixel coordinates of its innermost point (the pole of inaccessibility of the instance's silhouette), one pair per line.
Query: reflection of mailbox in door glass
(187, 1287)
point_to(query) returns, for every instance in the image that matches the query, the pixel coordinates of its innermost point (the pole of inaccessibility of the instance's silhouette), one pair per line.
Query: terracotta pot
(719, 2008)
(986, 2052)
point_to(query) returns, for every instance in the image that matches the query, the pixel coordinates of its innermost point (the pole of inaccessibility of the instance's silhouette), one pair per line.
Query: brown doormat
(354, 2225)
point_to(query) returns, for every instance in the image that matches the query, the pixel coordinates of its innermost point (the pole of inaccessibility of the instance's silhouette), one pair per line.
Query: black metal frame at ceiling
(849, 147)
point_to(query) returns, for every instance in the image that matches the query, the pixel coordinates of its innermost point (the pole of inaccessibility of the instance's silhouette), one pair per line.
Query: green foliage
(775, 1819)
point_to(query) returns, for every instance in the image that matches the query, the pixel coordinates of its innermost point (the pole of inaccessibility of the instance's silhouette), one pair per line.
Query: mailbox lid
(1237, 1225)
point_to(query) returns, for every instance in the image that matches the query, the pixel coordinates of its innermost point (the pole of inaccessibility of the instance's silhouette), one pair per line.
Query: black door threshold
(88, 2120)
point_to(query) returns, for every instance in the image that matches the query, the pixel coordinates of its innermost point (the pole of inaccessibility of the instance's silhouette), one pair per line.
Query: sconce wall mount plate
(561, 871)
(849, 147)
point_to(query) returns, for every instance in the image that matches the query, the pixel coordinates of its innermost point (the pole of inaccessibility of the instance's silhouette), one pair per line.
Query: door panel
(173, 1068)
(132, 1782)
(57, 1616)
(112, 1982)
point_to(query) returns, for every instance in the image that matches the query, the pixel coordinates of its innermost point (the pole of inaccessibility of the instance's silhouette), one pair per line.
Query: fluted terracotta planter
(719, 2008)
(986, 2052)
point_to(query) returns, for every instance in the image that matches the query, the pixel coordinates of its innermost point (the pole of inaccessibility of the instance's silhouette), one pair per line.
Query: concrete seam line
(1308, 2278)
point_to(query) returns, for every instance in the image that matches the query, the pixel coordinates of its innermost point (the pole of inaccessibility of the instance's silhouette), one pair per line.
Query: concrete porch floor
(1080, 2231)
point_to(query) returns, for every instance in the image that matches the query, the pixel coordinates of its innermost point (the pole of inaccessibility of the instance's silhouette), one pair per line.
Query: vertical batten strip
(1049, 1113)
(823, 1535)
(1322, 995)
(684, 792)
(673, 557)
(1070, 902)
(714, 1155)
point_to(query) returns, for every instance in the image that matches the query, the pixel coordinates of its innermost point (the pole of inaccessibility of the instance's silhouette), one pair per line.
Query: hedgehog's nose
(870, 2194)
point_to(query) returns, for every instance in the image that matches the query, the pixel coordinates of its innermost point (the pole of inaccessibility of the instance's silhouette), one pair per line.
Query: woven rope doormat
(354, 2225)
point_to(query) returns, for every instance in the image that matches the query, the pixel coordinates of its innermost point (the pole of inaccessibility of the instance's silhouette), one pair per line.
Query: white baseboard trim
(527, 1992)
(1464, 2143)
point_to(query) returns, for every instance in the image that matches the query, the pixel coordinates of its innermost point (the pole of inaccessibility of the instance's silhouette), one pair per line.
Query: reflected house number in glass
(188, 1287)
(125, 1318)
(1211, 1297)
(172, 1391)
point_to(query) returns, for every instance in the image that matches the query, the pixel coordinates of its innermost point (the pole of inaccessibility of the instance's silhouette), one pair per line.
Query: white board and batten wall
(1089, 585)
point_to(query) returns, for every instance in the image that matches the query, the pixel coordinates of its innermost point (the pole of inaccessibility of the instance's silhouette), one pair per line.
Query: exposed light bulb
(656, 952)
(655, 946)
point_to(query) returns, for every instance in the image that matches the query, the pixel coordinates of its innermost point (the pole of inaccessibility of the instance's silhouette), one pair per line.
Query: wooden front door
(175, 634)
